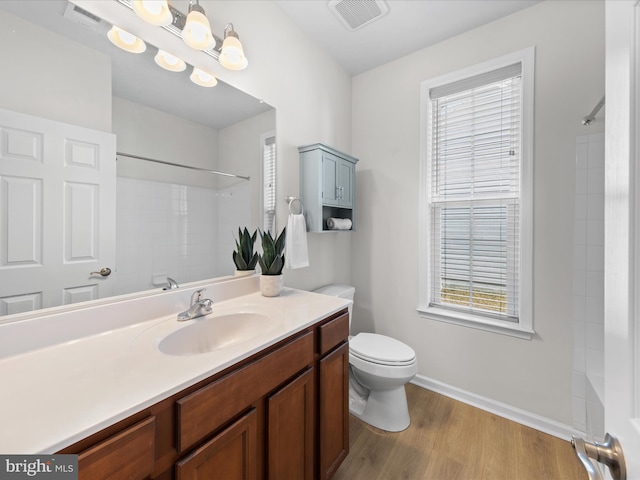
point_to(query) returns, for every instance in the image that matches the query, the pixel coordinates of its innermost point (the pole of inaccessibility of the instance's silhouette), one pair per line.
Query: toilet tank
(341, 291)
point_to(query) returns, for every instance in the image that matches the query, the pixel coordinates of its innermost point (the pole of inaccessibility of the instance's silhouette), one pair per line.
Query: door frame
(622, 228)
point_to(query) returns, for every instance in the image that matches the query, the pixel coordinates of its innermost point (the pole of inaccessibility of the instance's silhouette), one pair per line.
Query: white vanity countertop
(54, 396)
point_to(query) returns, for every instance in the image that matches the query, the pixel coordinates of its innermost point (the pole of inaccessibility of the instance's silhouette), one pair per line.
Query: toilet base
(383, 409)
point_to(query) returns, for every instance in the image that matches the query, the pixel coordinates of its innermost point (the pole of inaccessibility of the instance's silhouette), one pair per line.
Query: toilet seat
(381, 350)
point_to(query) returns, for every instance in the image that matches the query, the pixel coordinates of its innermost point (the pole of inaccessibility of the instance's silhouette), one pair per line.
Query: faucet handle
(197, 296)
(207, 304)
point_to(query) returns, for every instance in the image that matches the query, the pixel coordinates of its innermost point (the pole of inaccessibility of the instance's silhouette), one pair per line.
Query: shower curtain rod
(589, 119)
(146, 159)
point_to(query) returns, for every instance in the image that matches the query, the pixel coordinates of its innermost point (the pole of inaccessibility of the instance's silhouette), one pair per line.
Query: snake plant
(272, 258)
(244, 257)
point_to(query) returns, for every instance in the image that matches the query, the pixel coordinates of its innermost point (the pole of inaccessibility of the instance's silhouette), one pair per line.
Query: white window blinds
(475, 193)
(269, 184)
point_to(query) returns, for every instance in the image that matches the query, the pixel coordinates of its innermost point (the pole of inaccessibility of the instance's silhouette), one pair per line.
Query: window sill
(472, 321)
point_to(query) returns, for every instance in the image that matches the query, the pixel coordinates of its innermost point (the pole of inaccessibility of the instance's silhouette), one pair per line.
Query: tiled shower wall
(588, 286)
(174, 230)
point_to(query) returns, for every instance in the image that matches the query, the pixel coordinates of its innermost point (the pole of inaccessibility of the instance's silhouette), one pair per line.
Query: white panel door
(57, 212)
(622, 239)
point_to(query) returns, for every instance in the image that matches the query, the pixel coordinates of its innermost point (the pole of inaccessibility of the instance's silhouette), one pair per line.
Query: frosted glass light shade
(156, 12)
(232, 54)
(202, 78)
(126, 41)
(197, 32)
(169, 62)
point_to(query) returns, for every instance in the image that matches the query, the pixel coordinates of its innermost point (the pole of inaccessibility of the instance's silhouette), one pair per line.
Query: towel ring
(294, 199)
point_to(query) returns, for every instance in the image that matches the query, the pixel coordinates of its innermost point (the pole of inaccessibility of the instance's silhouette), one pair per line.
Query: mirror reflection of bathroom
(189, 162)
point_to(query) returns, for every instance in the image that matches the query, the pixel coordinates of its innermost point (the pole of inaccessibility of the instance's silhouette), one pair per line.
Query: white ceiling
(409, 26)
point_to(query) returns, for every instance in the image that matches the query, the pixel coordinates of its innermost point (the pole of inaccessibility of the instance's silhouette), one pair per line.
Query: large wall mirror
(162, 221)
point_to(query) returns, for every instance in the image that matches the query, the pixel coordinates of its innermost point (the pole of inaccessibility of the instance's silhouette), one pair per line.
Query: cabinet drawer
(129, 454)
(205, 410)
(333, 333)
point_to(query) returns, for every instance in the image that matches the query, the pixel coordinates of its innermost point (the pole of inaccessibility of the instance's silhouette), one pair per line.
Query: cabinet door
(333, 415)
(230, 455)
(290, 437)
(345, 183)
(330, 195)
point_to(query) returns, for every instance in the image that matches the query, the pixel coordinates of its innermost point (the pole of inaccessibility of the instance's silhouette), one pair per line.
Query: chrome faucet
(172, 284)
(199, 307)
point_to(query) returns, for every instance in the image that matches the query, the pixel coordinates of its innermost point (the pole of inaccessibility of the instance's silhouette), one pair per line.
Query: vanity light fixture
(232, 53)
(202, 78)
(197, 31)
(126, 41)
(156, 12)
(169, 62)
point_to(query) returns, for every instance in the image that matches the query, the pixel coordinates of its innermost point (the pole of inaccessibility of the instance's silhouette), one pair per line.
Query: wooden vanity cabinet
(280, 414)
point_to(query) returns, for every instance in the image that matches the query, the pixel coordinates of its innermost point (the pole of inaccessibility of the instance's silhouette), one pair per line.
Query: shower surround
(588, 286)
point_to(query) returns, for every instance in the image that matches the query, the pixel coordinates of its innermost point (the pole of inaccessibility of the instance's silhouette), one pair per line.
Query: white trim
(518, 415)
(634, 148)
(524, 327)
(512, 329)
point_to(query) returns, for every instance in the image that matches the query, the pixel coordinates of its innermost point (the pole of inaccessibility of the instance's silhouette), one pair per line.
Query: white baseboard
(509, 412)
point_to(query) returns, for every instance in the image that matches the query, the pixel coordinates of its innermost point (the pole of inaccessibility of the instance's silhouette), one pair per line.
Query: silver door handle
(592, 470)
(609, 453)
(105, 272)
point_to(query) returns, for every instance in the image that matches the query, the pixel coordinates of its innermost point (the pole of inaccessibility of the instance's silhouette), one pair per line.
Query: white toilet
(379, 368)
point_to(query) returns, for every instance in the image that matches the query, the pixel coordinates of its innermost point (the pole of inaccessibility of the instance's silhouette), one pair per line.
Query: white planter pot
(244, 273)
(271, 285)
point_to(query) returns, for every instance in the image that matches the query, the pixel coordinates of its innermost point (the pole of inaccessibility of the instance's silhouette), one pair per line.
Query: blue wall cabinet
(327, 184)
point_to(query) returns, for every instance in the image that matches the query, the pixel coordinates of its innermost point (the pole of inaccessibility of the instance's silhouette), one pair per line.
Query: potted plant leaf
(272, 262)
(244, 256)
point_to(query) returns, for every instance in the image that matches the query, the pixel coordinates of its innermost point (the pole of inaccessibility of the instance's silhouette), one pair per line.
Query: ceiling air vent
(355, 14)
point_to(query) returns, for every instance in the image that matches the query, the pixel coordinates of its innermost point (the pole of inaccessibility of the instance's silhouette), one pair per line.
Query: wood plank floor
(450, 440)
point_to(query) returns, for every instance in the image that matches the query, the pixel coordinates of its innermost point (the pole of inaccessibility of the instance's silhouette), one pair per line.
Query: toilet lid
(375, 348)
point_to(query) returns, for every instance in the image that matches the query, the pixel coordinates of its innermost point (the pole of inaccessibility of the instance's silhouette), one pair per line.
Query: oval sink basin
(215, 332)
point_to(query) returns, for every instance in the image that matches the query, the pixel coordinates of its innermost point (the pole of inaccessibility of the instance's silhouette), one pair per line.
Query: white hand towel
(295, 248)
(339, 223)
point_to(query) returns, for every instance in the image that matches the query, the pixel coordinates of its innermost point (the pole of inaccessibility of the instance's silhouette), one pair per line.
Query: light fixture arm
(194, 5)
(229, 31)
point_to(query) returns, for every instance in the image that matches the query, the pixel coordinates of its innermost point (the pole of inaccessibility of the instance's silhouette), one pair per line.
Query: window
(269, 183)
(475, 232)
